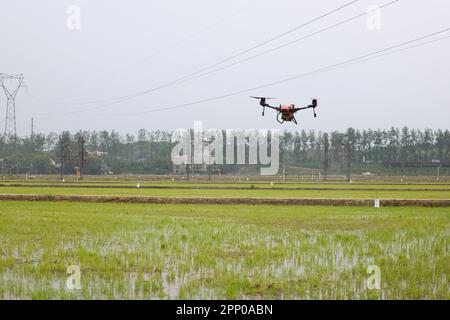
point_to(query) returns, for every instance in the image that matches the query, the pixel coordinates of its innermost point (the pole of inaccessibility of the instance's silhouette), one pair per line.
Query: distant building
(97, 153)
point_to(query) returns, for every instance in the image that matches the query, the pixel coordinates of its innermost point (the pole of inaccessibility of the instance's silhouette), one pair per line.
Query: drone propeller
(259, 98)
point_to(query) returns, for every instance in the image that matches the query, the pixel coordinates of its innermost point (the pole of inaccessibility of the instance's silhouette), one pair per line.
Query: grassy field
(135, 251)
(255, 185)
(246, 193)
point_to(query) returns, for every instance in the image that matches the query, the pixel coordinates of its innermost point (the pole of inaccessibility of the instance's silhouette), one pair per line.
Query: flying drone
(286, 112)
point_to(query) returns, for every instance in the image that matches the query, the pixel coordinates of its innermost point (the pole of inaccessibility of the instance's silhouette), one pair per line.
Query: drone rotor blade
(259, 98)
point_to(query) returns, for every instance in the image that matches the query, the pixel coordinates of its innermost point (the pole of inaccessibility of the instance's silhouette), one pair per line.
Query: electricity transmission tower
(11, 93)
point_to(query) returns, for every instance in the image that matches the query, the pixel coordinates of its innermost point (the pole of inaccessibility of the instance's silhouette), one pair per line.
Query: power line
(359, 59)
(175, 44)
(352, 60)
(242, 52)
(199, 75)
(291, 42)
(209, 27)
(187, 77)
(403, 49)
(363, 58)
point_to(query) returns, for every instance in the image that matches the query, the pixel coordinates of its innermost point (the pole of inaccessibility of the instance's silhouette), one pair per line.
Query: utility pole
(65, 151)
(326, 156)
(346, 144)
(207, 160)
(61, 158)
(81, 143)
(32, 143)
(349, 159)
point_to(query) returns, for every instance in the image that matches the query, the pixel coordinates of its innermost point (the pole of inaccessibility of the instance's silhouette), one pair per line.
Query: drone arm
(271, 107)
(313, 106)
(308, 107)
(303, 108)
(265, 105)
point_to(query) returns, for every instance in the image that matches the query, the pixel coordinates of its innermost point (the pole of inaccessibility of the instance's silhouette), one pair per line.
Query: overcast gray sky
(125, 47)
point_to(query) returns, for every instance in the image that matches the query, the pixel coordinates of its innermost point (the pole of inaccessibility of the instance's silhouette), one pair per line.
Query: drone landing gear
(281, 121)
(278, 118)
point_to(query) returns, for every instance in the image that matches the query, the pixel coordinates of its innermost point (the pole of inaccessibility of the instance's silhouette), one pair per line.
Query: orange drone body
(287, 112)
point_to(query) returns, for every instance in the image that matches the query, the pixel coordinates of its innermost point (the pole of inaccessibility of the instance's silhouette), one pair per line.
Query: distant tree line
(369, 146)
(149, 152)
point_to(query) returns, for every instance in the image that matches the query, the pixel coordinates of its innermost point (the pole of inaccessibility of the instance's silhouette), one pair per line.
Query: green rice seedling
(137, 251)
